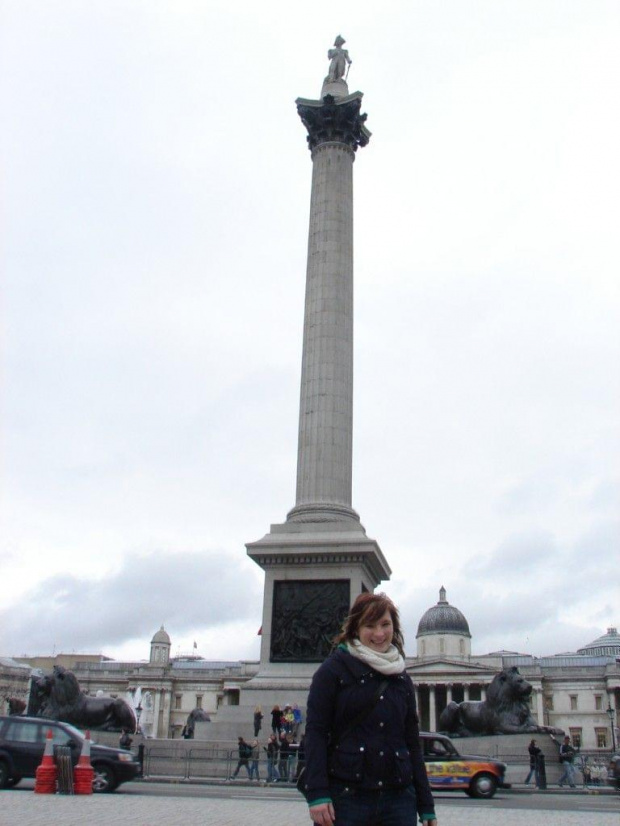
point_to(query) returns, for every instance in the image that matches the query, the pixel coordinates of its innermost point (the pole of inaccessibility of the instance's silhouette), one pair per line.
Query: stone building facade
(571, 691)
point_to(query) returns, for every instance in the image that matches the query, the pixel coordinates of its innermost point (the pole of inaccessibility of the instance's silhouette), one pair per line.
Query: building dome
(161, 637)
(606, 646)
(443, 618)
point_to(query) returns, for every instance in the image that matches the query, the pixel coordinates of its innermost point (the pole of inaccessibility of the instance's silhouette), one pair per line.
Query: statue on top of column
(339, 58)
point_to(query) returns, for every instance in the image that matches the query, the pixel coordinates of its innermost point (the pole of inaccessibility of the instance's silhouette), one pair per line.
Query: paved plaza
(24, 808)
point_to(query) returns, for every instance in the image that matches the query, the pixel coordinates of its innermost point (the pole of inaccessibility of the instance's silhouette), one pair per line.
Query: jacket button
(381, 725)
(361, 748)
(380, 754)
(362, 681)
(381, 697)
(380, 783)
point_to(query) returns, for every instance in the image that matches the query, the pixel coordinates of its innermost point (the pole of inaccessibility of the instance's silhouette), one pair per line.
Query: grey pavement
(24, 808)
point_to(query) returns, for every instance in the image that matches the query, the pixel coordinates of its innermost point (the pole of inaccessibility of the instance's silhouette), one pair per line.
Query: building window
(573, 702)
(461, 647)
(601, 738)
(549, 702)
(177, 701)
(198, 700)
(575, 736)
(423, 648)
(598, 702)
(442, 645)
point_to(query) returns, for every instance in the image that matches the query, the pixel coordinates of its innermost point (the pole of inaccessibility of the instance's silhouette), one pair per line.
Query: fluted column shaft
(324, 459)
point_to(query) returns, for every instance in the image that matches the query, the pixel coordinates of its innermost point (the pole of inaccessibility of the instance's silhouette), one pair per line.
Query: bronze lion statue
(506, 709)
(58, 696)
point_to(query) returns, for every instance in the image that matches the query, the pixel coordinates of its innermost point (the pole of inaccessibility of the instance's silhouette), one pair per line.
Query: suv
(447, 769)
(22, 742)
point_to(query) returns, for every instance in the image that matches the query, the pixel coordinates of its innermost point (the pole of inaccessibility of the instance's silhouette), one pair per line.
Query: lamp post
(611, 713)
(138, 710)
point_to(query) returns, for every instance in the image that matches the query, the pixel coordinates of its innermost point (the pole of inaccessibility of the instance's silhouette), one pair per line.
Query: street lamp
(138, 715)
(611, 713)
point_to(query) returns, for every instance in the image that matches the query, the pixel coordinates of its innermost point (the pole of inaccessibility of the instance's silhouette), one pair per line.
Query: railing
(201, 763)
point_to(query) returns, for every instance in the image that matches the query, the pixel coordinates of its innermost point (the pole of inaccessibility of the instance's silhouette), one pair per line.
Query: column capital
(334, 120)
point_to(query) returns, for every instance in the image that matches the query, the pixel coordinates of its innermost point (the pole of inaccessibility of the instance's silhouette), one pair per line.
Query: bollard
(64, 780)
(541, 771)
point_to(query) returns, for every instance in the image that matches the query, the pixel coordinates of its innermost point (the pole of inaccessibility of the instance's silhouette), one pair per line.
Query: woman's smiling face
(377, 635)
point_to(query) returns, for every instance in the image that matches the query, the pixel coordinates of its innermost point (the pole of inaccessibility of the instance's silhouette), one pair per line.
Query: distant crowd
(284, 751)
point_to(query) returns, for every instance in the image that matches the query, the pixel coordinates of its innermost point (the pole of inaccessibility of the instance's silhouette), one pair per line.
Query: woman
(276, 720)
(364, 761)
(254, 757)
(258, 720)
(533, 772)
(273, 775)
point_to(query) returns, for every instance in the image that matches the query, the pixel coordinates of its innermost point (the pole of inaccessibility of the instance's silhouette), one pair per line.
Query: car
(22, 742)
(613, 772)
(448, 770)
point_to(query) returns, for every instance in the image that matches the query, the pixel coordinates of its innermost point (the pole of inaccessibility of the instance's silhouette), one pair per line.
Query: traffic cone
(83, 773)
(45, 775)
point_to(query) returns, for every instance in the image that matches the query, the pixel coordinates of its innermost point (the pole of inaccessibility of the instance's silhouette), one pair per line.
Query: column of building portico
(466, 692)
(540, 709)
(432, 709)
(449, 693)
(483, 692)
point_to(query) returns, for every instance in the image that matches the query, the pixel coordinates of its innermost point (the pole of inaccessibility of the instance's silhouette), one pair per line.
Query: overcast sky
(155, 202)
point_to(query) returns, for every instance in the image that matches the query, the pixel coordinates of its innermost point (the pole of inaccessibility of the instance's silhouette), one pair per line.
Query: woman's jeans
(362, 807)
(254, 769)
(272, 770)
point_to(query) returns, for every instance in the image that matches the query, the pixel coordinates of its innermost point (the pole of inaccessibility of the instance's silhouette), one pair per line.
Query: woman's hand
(323, 814)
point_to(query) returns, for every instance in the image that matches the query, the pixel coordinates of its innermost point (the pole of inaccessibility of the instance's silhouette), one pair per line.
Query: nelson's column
(319, 560)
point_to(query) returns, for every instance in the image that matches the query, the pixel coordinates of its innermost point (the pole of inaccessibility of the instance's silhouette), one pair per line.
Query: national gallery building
(578, 692)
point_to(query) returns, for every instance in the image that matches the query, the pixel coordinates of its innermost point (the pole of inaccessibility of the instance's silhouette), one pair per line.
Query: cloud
(186, 592)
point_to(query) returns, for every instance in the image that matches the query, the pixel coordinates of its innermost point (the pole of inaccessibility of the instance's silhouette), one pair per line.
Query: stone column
(320, 559)
(432, 709)
(449, 693)
(483, 692)
(466, 692)
(324, 454)
(540, 711)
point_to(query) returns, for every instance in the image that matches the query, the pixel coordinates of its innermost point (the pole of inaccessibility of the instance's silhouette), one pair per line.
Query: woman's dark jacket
(383, 751)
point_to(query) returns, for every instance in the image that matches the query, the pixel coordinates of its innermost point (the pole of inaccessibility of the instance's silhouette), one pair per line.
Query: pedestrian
(254, 757)
(258, 720)
(276, 720)
(364, 762)
(284, 753)
(297, 721)
(125, 740)
(533, 772)
(567, 758)
(245, 752)
(273, 775)
(301, 756)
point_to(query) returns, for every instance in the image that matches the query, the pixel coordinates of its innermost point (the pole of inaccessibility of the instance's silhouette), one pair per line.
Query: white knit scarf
(388, 662)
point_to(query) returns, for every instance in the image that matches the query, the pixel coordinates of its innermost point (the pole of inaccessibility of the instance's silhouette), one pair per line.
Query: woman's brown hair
(369, 608)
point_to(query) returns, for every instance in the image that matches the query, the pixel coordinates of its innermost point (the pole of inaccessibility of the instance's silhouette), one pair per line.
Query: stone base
(301, 555)
(337, 88)
(512, 750)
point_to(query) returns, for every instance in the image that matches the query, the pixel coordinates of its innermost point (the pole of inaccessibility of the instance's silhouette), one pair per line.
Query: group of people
(285, 720)
(285, 758)
(593, 773)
